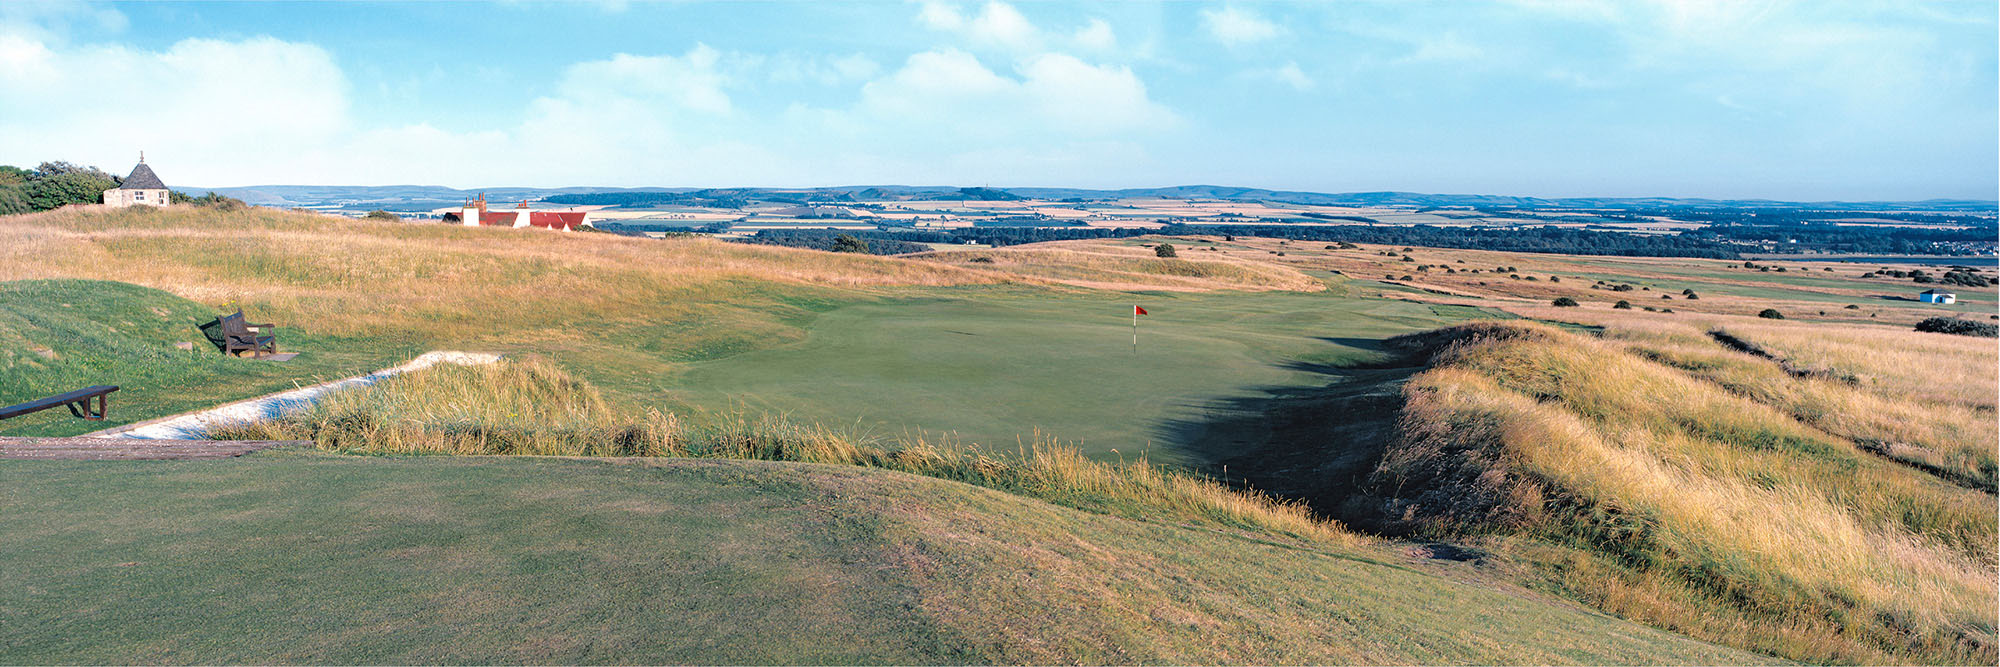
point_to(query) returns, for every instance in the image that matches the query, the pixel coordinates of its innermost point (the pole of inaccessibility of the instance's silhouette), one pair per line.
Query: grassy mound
(60, 335)
(1663, 496)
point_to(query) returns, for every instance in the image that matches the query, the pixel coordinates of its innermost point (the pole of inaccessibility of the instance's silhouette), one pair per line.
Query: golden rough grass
(1753, 529)
(1922, 398)
(1107, 266)
(1932, 368)
(531, 407)
(359, 277)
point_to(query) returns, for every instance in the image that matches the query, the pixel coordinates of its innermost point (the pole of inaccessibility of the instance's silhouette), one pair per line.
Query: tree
(1166, 250)
(1771, 314)
(1564, 302)
(56, 189)
(210, 200)
(379, 214)
(849, 243)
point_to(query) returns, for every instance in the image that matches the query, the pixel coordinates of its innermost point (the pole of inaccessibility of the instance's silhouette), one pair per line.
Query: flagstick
(1135, 329)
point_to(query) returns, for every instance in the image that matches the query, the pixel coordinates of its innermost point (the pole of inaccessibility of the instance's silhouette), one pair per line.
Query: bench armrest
(260, 326)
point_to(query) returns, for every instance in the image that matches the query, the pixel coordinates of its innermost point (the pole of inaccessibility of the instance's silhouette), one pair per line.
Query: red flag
(1138, 311)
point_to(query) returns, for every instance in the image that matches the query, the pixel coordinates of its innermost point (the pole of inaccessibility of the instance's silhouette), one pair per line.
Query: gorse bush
(1165, 250)
(1953, 325)
(531, 407)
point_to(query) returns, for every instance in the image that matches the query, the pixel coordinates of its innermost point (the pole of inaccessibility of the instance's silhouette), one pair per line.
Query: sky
(1815, 100)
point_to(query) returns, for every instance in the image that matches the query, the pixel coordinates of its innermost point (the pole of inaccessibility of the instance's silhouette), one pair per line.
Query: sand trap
(195, 425)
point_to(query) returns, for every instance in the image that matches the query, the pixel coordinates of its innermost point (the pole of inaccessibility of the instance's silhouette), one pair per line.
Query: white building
(1934, 296)
(142, 188)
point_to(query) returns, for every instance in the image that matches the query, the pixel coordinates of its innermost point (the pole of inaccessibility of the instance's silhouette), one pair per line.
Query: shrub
(1565, 302)
(850, 243)
(1948, 325)
(1853, 307)
(1622, 305)
(1771, 314)
(379, 214)
(1166, 250)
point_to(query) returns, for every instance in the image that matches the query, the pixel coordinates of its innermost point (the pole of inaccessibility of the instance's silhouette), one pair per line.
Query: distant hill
(417, 197)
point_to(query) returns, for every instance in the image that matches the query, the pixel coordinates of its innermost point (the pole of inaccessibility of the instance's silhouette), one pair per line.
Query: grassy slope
(991, 366)
(1664, 494)
(60, 335)
(294, 557)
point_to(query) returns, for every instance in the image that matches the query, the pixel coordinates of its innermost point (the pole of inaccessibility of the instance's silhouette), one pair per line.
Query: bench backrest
(233, 325)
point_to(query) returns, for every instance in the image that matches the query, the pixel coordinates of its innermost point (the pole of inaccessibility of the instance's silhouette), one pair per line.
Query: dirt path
(195, 425)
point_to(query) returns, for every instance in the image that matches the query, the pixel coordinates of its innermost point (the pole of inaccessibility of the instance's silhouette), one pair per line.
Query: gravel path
(195, 425)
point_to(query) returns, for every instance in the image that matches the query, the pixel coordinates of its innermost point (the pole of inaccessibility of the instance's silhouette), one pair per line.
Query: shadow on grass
(1316, 445)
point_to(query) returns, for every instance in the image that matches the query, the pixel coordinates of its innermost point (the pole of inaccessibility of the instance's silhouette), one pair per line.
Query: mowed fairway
(288, 557)
(996, 366)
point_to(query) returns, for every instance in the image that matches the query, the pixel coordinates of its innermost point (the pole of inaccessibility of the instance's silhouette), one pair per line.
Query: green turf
(306, 558)
(60, 335)
(993, 366)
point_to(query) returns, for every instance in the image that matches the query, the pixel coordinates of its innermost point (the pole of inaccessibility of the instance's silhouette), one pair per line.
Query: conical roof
(142, 178)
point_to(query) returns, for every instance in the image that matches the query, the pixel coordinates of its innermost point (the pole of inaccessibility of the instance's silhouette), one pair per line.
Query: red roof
(561, 220)
(556, 220)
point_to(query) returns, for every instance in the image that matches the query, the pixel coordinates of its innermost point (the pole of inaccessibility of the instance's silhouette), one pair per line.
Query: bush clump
(1166, 250)
(1949, 325)
(1565, 302)
(1771, 314)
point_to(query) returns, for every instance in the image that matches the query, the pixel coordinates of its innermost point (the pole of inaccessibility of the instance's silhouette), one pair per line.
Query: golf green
(996, 369)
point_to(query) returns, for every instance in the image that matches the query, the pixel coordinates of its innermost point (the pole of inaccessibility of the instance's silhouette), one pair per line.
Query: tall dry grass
(531, 407)
(1105, 266)
(1924, 399)
(439, 282)
(1695, 509)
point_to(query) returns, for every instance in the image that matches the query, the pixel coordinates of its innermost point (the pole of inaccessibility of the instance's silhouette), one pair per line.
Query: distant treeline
(1826, 237)
(1536, 239)
(741, 197)
(878, 243)
(707, 198)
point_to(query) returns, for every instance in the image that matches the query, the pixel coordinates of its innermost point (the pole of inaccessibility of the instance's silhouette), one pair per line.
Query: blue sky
(1790, 100)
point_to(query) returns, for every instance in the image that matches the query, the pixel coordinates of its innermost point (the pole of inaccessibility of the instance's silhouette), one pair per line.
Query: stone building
(142, 188)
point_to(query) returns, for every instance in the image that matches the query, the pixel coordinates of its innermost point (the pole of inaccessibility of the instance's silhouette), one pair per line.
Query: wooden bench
(78, 402)
(238, 336)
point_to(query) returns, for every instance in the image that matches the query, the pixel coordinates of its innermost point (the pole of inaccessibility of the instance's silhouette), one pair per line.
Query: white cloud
(1095, 36)
(691, 81)
(997, 24)
(198, 97)
(1054, 91)
(1289, 74)
(823, 70)
(1236, 26)
(264, 110)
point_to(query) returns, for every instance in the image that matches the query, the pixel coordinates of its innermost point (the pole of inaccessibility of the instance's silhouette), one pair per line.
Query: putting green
(994, 368)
